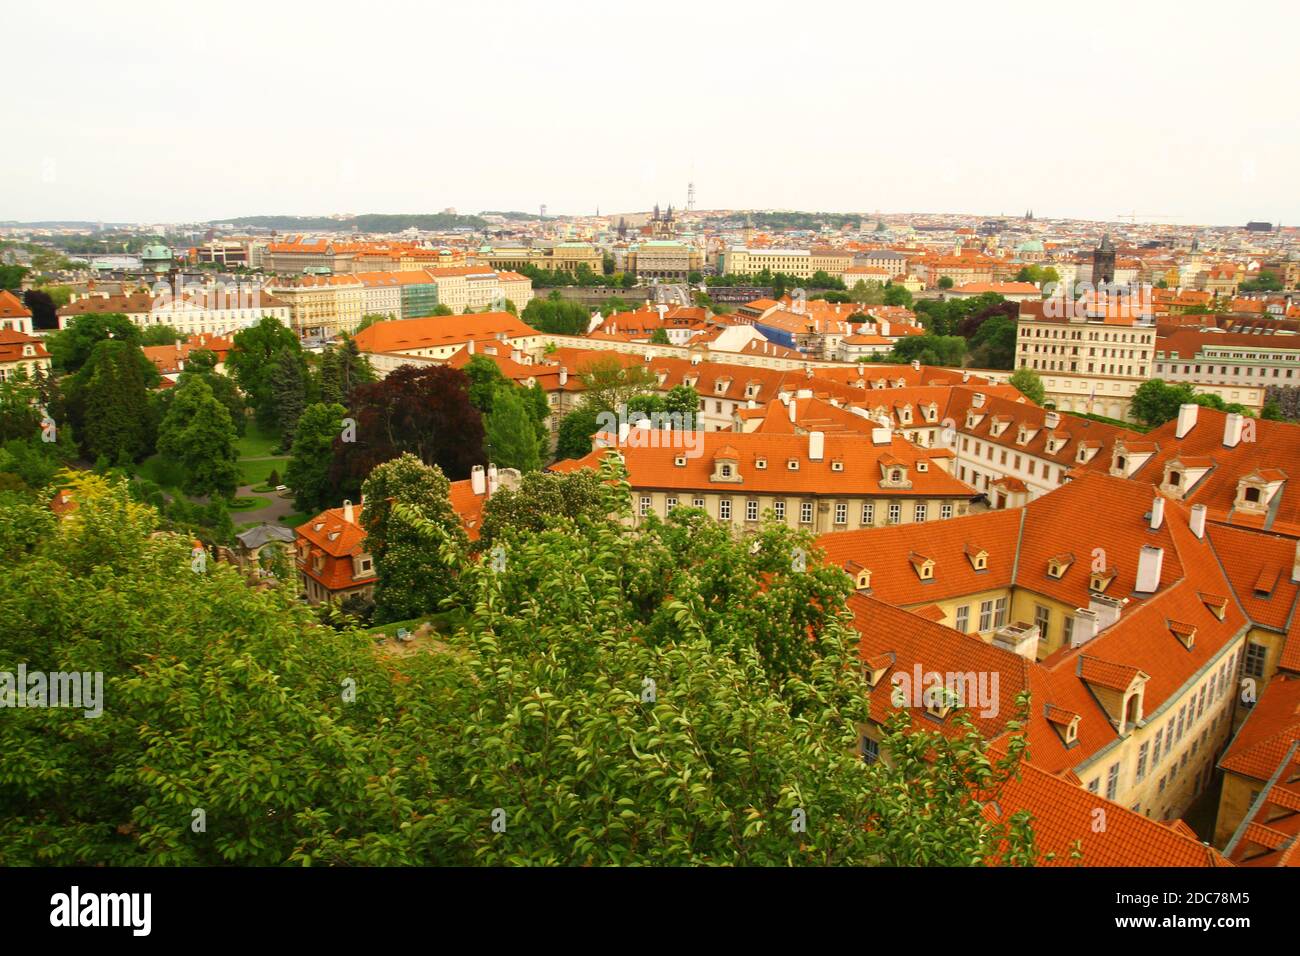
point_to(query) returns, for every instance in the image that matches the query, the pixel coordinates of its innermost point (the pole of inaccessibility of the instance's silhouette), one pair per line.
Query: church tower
(1103, 262)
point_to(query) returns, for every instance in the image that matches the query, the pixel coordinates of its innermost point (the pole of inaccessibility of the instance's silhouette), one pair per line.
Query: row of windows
(993, 614)
(920, 510)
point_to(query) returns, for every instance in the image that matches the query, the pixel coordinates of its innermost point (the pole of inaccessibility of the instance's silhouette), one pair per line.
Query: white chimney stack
(347, 511)
(1186, 419)
(816, 445)
(493, 481)
(1158, 513)
(470, 346)
(791, 407)
(1197, 521)
(965, 377)
(1150, 561)
(1295, 564)
(623, 429)
(1232, 430)
(880, 436)
(478, 480)
(1052, 419)
(916, 365)
(1085, 626)
(977, 400)
(564, 375)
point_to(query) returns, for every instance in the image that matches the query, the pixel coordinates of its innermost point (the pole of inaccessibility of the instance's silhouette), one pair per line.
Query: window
(751, 510)
(1252, 664)
(1043, 618)
(670, 504)
(725, 471)
(760, 464)
(1000, 612)
(963, 618)
(1182, 714)
(1160, 788)
(918, 513)
(1155, 750)
(1093, 784)
(1200, 701)
(841, 513)
(868, 514)
(870, 750)
(724, 509)
(1112, 781)
(1067, 629)
(986, 615)
(1142, 761)
(645, 505)
(805, 512)
(698, 502)
(945, 510)
(895, 512)
(778, 508)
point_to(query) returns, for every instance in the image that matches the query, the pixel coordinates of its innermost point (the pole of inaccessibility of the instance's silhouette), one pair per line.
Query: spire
(1106, 244)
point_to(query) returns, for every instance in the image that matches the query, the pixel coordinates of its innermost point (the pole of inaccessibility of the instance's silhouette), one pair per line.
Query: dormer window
(1058, 565)
(860, 576)
(923, 466)
(760, 464)
(939, 700)
(1250, 494)
(1186, 633)
(792, 464)
(1174, 478)
(1217, 605)
(680, 461)
(725, 471)
(837, 465)
(932, 412)
(978, 557)
(1064, 722)
(923, 566)
(1100, 580)
(895, 475)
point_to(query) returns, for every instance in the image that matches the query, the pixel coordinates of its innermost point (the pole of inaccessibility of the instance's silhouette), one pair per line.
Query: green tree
(343, 368)
(308, 472)
(1029, 384)
(994, 343)
(289, 391)
(945, 282)
(485, 377)
(541, 499)
(254, 361)
(576, 429)
(108, 403)
(1156, 401)
(198, 435)
(413, 534)
(898, 295)
(659, 337)
(159, 335)
(510, 433)
(69, 348)
(683, 400)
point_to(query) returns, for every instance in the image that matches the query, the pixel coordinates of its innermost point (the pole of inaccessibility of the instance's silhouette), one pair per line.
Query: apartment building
(567, 256)
(815, 482)
(322, 306)
(298, 255)
(799, 263)
(1228, 358)
(22, 355)
(200, 310)
(888, 261)
(14, 315)
(1123, 631)
(437, 338)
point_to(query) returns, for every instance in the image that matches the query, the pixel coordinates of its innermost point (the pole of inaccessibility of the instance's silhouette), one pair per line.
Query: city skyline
(983, 112)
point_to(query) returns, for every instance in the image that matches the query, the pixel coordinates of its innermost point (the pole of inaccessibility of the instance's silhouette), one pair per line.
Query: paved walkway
(269, 514)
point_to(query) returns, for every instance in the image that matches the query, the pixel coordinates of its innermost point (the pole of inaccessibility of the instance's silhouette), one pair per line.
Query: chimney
(1105, 611)
(1051, 419)
(493, 482)
(977, 400)
(347, 511)
(470, 346)
(965, 377)
(790, 406)
(816, 445)
(623, 429)
(564, 375)
(881, 436)
(1158, 513)
(1197, 521)
(478, 480)
(1150, 560)
(1186, 419)
(516, 357)
(1085, 626)
(916, 365)
(1232, 430)
(1295, 564)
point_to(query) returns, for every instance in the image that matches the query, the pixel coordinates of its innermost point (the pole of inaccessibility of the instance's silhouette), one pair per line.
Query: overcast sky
(149, 112)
